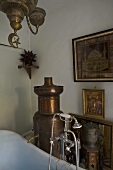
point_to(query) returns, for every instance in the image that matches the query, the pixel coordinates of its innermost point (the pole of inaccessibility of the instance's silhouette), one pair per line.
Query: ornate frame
(93, 103)
(93, 57)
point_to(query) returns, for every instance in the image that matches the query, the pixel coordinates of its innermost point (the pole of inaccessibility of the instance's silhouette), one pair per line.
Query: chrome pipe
(76, 148)
(51, 140)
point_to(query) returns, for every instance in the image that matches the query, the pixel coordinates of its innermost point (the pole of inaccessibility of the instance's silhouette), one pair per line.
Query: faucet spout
(66, 144)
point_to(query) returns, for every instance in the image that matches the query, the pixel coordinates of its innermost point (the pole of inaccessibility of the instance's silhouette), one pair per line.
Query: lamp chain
(29, 25)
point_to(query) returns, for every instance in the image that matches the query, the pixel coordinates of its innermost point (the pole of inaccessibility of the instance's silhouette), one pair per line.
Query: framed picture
(93, 57)
(93, 103)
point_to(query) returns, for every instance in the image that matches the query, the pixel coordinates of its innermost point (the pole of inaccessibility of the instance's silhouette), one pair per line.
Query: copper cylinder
(48, 105)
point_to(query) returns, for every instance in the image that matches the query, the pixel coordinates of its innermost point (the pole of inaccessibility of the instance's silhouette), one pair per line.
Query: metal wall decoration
(93, 102)
(28, 59)
(93, 57)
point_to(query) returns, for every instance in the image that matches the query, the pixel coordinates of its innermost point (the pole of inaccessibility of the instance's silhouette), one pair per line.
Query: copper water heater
(48, 105)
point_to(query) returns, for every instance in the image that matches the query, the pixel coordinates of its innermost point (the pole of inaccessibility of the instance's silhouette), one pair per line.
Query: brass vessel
(16, 10)
(48, 105)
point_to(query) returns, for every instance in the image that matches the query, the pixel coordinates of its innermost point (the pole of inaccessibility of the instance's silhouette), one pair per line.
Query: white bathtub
(17, 154)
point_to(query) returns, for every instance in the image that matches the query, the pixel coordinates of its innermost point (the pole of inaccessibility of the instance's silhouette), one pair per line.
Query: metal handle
(32, 138)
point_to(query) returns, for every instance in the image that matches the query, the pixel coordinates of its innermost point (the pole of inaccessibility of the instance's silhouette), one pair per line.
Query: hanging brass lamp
(16, 10)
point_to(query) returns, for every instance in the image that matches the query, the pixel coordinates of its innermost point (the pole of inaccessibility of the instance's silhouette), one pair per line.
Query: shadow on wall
(23, 116)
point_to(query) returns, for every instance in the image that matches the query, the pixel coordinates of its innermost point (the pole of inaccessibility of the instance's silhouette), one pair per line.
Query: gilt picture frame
(93, 102)
(93, 57)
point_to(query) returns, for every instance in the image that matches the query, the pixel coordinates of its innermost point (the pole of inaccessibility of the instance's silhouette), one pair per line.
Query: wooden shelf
(28, 68)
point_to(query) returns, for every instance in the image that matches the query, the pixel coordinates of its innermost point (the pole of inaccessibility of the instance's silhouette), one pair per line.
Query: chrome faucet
(66, 144)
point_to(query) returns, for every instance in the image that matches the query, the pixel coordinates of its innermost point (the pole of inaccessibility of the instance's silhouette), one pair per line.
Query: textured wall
(67, 19)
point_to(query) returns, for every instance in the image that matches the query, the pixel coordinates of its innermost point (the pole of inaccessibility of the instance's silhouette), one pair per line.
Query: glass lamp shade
(37, 16)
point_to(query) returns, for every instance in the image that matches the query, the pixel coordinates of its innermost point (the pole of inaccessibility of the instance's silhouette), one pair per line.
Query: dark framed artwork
(93, 103)
(93, 57)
